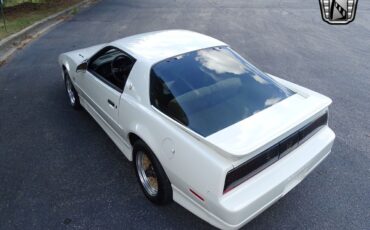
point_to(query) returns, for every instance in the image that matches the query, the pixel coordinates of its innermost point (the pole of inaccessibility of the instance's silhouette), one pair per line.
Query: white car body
(196, 165)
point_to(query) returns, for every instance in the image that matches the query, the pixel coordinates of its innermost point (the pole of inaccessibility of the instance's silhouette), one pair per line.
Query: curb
(10, 44)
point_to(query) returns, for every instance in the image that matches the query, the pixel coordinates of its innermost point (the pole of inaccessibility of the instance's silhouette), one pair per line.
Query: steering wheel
(119, 67)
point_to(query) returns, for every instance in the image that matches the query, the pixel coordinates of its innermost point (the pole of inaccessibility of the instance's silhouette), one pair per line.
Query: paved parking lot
(59, 170)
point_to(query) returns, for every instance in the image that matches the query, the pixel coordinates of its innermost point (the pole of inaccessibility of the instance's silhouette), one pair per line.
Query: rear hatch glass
(210, 89)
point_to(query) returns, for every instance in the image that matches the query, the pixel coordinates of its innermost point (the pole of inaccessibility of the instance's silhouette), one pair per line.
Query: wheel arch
(64, 63)
(140, 132)
(133, 137)
(64, 68)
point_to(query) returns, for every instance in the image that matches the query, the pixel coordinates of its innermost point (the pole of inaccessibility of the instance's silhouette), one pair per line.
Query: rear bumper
(243, 203)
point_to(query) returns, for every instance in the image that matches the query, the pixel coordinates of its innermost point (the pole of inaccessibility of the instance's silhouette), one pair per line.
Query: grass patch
(75, 11)
(20, 16)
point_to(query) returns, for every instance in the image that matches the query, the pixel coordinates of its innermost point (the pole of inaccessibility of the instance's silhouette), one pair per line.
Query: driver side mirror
(82, 67)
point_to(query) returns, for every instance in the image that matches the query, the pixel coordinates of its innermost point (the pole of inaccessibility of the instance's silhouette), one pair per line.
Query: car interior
(114, 66)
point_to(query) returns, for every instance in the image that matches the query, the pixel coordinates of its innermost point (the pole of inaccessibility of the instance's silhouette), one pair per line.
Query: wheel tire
(72, 94)
(164, 190)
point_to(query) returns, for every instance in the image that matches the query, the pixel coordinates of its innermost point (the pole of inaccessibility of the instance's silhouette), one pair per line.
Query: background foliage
(16, 2)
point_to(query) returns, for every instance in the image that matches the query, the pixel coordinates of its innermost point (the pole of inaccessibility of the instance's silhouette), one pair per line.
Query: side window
(112, 66)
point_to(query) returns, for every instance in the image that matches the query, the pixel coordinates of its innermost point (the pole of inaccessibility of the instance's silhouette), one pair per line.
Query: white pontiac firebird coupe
(203, 126)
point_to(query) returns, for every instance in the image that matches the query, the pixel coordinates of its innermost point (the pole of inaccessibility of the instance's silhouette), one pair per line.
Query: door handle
(111, 103)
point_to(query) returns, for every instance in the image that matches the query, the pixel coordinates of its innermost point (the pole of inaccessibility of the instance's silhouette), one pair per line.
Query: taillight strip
(243, 172)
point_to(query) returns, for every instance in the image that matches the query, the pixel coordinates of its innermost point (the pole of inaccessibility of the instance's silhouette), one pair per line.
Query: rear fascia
(243, 172)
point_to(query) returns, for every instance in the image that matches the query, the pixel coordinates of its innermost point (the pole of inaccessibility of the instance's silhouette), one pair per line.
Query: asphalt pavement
(59, 170)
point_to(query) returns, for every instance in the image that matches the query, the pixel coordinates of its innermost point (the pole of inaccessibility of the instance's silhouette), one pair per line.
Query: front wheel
(151, 176)
(71, 92)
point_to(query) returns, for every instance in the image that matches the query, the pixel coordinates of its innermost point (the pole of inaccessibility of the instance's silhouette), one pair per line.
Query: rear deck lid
(255, 133)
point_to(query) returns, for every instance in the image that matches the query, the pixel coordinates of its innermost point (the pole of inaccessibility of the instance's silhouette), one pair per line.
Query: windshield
(210, 89)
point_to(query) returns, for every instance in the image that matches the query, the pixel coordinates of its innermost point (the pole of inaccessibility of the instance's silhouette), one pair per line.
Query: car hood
(80, 55)
(257, 132)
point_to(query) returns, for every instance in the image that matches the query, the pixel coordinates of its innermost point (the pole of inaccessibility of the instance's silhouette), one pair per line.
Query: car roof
(156, 46)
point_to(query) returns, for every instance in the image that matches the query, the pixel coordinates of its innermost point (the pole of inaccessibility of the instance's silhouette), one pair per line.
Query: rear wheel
(151, 176)
(71, 92)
